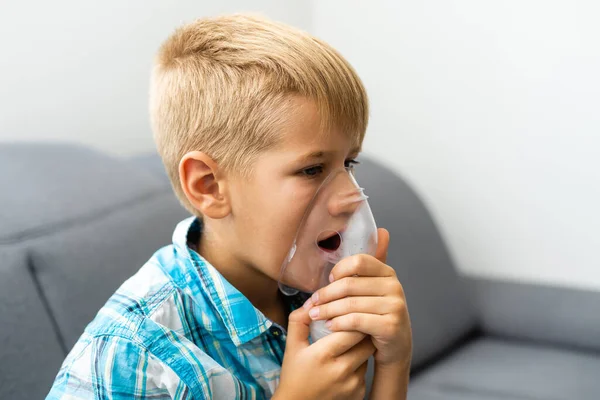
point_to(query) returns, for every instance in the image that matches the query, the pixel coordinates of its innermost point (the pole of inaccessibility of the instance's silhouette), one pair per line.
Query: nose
(346, 203)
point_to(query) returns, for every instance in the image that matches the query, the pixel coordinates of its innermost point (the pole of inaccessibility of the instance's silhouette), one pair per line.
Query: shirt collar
(241, 319)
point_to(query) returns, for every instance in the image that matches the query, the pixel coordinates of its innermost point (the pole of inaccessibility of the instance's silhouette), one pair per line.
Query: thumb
(298, 329)
(383, 241)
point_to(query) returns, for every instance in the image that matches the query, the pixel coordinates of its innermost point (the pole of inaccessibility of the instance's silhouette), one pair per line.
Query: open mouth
(331, 241)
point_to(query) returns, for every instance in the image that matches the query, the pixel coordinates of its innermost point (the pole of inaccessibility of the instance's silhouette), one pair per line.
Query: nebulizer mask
(337, 223)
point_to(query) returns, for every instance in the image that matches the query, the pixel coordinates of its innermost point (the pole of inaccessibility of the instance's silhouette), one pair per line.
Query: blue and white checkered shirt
(176, 329)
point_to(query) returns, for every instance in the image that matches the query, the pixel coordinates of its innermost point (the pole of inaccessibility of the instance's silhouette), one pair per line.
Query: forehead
(303, 132)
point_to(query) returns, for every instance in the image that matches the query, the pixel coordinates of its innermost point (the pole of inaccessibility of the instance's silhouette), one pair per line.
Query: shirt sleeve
(111, 367)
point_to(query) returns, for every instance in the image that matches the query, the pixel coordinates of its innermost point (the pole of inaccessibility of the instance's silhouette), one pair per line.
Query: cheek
(275, 220)
(281, 224)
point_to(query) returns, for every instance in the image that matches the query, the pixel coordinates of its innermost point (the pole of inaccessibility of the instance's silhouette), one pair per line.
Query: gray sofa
(75, 223)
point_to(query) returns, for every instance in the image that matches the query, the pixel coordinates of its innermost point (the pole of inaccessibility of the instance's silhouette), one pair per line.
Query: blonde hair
(219, 86)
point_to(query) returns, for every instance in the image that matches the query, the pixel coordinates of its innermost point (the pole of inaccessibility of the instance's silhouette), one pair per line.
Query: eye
(313, 171)
(350, 164)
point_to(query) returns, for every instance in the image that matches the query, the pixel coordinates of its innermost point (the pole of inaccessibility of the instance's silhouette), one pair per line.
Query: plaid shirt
(176, 329)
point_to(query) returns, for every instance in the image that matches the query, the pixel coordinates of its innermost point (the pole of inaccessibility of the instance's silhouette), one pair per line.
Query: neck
(260, 289)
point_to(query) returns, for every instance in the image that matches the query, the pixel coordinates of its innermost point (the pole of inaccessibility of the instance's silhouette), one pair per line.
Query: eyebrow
(321, 154)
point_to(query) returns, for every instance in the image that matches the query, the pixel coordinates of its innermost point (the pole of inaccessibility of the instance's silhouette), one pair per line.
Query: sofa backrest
(74, 225)
(541, 313)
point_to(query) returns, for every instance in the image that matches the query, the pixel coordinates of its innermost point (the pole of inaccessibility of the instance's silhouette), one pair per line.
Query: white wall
(491, 109)
(79, 70)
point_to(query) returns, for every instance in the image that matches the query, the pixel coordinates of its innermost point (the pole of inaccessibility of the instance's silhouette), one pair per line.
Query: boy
(249, 116)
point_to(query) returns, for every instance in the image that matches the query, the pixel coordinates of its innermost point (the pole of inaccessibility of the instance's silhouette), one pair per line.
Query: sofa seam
(42, 295)
(49, 229)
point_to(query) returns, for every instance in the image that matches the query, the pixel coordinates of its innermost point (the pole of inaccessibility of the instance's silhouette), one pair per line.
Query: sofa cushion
(30, 353)
(493, 369)
(437, 299)
(50, 186)
(81, 267)
(538, 312)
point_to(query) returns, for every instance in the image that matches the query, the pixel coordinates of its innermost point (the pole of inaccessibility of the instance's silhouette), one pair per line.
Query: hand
(366, 296)
(332, 368)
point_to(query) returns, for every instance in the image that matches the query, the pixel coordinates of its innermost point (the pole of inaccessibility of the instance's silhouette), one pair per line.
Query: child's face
(268, 208)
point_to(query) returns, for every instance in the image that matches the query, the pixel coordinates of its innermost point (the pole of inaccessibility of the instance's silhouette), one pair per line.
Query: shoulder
(139, 298)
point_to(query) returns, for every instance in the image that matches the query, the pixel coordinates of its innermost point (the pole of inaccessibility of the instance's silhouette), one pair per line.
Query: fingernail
(314, 313)
(315, 297)
(328, 324)
(308, 303)
(331, 278)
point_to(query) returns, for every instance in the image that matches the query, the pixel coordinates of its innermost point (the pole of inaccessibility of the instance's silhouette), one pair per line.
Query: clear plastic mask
(338, 223)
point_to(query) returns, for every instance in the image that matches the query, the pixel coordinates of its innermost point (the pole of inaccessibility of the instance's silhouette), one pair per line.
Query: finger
(369, 324)
(359, 354)
(370, 305)
(355, 286)
(298, 329)
(383, 242)
(361, 265)
(338, 343)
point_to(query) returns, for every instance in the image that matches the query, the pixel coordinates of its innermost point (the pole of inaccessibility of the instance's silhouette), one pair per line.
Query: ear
(203, 186)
